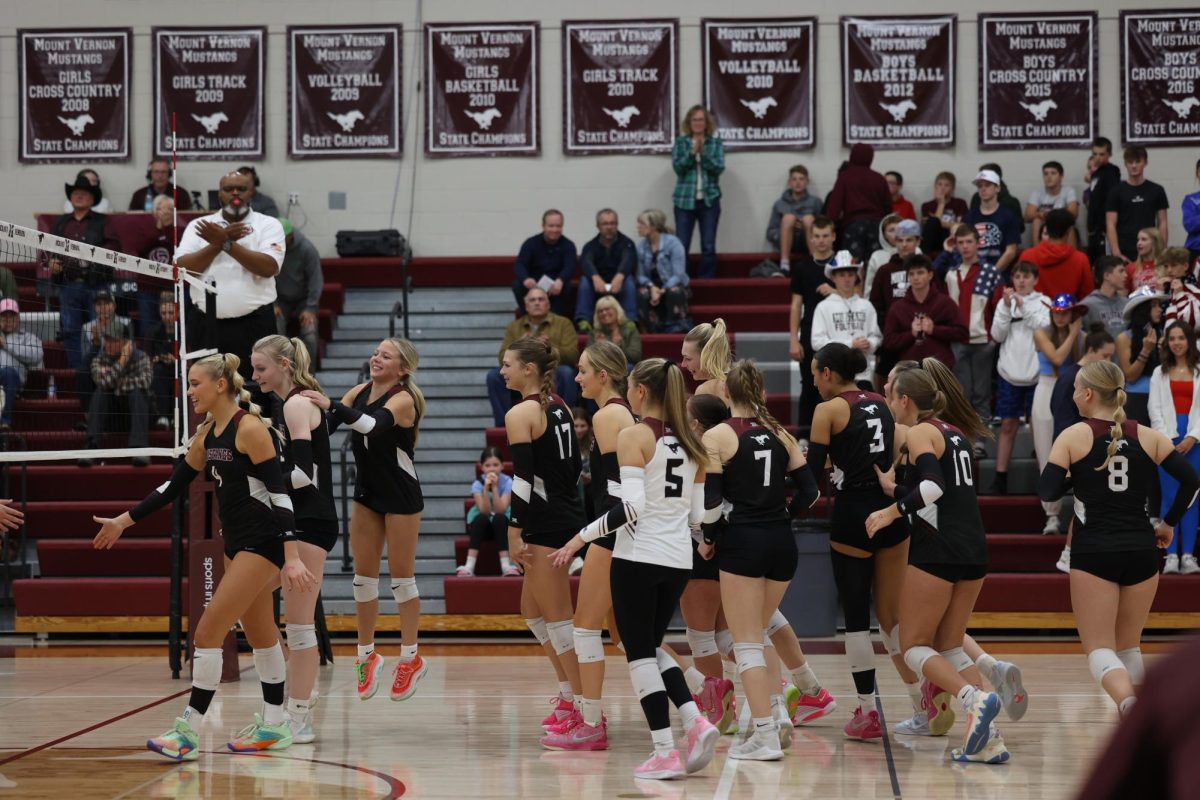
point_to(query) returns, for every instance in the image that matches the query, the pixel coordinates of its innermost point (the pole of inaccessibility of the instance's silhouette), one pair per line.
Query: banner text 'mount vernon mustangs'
(1160, 77)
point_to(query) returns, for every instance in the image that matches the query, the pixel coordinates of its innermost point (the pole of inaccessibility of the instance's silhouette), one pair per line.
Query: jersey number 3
(876, 426)
(1118, 474)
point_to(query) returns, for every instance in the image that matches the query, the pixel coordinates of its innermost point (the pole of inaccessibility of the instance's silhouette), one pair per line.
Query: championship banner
(74, 103)
(1160, 76)
(898, 80)
(344, 91)
(212, 79)
(1038, 80)
(482, 93)
(620, 86)
(760, 81)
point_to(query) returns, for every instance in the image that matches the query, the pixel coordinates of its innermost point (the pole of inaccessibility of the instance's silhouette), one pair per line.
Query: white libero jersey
(662, 535)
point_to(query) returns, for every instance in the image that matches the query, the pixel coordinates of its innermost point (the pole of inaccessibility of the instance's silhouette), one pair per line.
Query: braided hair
(544, 357)
(1108, 382)
(745, 386)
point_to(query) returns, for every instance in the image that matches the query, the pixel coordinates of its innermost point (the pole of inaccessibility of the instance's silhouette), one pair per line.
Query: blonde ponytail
(1108, 382)
(745, 386)
(664, 384)
(225, 365)
(544, 357)
(713, 342)
(277, 348)
(410, 359)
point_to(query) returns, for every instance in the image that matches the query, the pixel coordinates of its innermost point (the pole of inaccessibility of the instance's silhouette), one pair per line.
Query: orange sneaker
(368, 671)
(404, 685)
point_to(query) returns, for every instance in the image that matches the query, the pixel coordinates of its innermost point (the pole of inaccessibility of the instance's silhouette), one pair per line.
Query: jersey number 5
(1118, 474)
(563, 434)
(674, 487)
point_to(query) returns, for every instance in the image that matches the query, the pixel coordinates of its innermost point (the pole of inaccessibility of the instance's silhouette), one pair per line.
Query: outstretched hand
(110, 530)
(11, 517)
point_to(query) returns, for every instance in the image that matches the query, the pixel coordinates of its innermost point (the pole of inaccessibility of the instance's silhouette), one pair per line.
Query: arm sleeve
(807, 492)
(714, 496)
(304, 473)
(370, 426)
(1177, 466)
(625, 513)
(522, 458)
(816, 457)
(271, 474)
(163, 495)
(930, 485)
(1052, 484)
(697, 514)
(612, 468)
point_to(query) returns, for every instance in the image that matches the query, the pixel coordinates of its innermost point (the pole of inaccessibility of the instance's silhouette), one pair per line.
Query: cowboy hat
(83, 183)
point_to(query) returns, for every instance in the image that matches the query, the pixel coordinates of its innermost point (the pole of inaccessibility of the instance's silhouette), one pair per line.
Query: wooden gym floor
(74, 720)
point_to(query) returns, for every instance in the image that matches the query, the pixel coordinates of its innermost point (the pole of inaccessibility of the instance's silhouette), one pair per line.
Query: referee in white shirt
(240, 251)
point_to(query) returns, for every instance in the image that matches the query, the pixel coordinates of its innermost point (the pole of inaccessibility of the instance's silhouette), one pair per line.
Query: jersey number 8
(1118, 474)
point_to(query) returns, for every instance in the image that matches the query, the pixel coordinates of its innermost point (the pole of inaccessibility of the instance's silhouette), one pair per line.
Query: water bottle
(149, 204)
(52, 389)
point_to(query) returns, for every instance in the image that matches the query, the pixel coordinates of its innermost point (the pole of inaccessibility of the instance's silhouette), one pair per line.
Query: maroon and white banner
(212, 80)
(898, 80)
(620, 86)
(344, 91)
(1160, 77)
(74, 103)
(482, 93)
(1038, 80)
(760, 81)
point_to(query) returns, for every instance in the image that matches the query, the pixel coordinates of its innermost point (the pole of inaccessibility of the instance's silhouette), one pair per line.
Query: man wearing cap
(239, 251)
(20, 351)
(891, 284)
(122, 375)
(78, 281)
(91, 341)
(298, 287)
(846, 316)
(999, 227)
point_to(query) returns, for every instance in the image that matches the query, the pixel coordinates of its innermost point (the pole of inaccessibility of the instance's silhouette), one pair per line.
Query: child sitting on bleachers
(488, 519)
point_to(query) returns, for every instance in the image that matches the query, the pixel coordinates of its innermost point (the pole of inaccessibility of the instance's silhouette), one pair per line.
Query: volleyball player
(947, 554)
(546, 508)
(601, 378)
(706, 354)
(383, 415)
(662, 474)
(750, 455)
(1114, 557)
(257, 525)
(282, 367)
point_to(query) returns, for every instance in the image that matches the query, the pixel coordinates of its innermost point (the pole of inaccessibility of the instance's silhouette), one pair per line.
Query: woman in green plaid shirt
(699, 159)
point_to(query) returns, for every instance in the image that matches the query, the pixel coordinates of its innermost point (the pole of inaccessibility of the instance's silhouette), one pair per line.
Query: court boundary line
(887, 749)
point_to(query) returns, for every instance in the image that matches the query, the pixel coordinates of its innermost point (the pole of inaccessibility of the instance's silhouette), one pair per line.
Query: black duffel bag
(372, 243)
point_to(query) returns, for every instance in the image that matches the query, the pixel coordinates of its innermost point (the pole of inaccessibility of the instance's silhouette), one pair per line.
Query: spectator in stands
(487, 520)
(973, 286)
(538, 320)
(20, 351)
(606, 267)
(891, 281)
(1021, 312)
(1175, 413)
(92, 342)
(858, 201)
(1098, 345)
(1053, 195)
(1003, 196)
(1178, 280)
(1137, 349)
(1143, 269)
(8, 284)
(546, 259)
(924, 322)
(1102, 179)
(102, 206)
(847, 317)
(298, 287)
(1137, 203)
(78, 281)
(940, 215)
(901, 205)
(158, 177)
(162, 357)
(998, 225)
(1058, 344)
(809, 286)
(260, 201)
(240, 251)
(1191, 219)
(160, 248)
(611, 324)
(698, 157)
(887, 249)
(1062, 268)
(122, 376)
(792, 216)
(584, 436)
(661, 275)
(1106, 304)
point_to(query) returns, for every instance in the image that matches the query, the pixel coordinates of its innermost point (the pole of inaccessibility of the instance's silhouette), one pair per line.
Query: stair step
(54, 519)
(96, 483)
(64, 558)
(65, 597)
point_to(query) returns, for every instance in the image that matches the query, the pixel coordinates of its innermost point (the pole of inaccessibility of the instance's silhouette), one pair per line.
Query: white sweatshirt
(841, 319)
(1018, 354)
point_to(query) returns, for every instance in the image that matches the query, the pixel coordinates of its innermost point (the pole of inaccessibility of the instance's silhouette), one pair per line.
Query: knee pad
(1132, 659)
(405, 589)
(665, 662)
(588, 647)
(777, 622)
(1103, 661)
(749, 655)
(859, 651)
(365, 589)
(206, 668)
(916, 656)
(562, 635)
(269, 664)
(702, 643)
(958, 658)
(645, 677)
(891, 639)
(301, 637)
(725, 643)
(538, 626)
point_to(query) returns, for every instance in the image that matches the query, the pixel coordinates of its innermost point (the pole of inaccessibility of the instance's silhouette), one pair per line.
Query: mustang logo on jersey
(871, 409)
(558, 412)
(674, 446)
(955, 440)
(761, 439)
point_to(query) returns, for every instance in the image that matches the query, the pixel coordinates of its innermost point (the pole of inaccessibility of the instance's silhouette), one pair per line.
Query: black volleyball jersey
(242, 498)
(554, 501)
(1110, 503)
(385, 461)
(313, 505)
(950, 531)
(602, 476)
(753, 478)
(864, 443)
